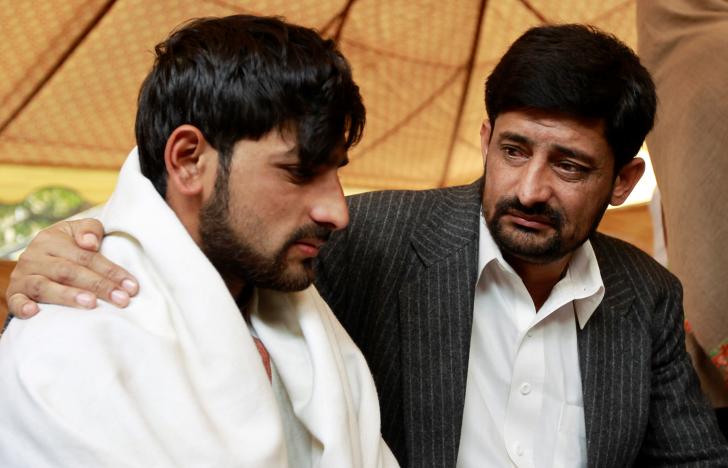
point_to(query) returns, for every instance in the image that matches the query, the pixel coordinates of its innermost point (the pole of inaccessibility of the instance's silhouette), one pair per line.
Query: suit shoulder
(391, 203)
(620, 257)
(404, 205)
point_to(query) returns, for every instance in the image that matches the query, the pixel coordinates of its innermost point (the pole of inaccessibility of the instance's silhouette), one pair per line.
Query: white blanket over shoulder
(175, 379)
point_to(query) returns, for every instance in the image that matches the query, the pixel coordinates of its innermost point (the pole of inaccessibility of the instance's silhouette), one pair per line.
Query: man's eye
(572, 171)
(570, 167)
(299, 173)
(511, 151)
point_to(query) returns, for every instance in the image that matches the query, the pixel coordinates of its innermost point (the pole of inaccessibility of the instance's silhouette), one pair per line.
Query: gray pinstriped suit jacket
(402, 278)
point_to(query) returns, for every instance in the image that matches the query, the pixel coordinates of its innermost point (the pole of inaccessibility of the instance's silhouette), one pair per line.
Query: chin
(295, 278)
(539, 252)
(537, 258)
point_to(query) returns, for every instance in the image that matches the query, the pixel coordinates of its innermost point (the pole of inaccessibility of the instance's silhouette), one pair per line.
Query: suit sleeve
(682, 429)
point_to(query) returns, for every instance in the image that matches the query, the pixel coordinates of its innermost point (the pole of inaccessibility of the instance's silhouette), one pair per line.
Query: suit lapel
(436, 306)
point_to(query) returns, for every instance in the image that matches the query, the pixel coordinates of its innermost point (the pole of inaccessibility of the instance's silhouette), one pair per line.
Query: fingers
(112, 280)
(93, 273)
(21, 306)
(87, 233)
(44, 290)
(60, 281)
(51, 288)
(55, 269)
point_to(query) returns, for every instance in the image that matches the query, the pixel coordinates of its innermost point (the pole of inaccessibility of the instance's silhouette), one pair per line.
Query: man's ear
(485, 131)
(626, 180)
(185, 157)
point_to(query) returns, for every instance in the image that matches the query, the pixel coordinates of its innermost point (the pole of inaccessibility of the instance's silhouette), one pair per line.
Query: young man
(501, 329)
(226, 357)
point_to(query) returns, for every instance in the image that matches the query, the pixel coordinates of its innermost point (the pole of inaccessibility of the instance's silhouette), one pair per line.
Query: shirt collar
(488, 251)
(583, 280)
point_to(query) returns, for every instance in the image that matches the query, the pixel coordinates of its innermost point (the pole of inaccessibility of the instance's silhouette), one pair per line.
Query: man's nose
(535, 184)
(330, 208)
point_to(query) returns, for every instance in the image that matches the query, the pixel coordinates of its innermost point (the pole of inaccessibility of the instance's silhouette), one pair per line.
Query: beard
(235, 257)
(529, 244)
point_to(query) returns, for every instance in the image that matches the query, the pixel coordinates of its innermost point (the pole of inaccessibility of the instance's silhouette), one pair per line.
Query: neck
(235, 286)
(538, 278)
(242, 294)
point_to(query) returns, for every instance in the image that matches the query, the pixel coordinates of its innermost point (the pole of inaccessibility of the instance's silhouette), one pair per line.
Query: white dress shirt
(523, 400)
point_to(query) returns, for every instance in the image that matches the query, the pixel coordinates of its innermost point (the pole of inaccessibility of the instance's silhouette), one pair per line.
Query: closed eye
(298, 173)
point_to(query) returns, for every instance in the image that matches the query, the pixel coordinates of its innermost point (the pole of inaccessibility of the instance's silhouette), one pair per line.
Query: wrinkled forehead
(588, 129)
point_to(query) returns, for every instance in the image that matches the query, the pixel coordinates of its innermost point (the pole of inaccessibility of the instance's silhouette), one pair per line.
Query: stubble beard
(234, 257)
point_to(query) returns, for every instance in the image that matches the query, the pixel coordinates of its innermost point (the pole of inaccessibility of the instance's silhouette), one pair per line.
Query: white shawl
(175, 379)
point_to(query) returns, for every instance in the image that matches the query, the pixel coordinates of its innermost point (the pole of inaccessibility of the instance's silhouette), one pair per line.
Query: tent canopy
(72, 70)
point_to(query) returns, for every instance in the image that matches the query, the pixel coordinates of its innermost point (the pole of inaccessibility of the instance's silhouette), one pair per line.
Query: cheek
(495, 189)
(582, 212)
(258, 196)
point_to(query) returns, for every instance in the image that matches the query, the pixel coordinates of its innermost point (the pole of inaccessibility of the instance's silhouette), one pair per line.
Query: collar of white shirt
(582, 283)
(523, 400)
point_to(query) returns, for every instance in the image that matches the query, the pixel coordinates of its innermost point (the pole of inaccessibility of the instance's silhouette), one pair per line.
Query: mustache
(311, 231)
(543, 210)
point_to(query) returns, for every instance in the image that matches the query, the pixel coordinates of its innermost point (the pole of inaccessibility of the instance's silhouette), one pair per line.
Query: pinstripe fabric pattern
(402, 278)
(642, 401)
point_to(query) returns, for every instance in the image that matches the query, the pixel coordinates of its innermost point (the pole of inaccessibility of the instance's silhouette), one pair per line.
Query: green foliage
(19, 222)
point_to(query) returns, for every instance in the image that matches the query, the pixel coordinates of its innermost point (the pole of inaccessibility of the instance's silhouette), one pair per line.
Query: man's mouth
(309, 246)
(535, 222)
(538, 217)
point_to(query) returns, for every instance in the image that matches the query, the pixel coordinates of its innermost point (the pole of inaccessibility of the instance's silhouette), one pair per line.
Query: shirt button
(525, 389)
(529, 334)
(518, 449)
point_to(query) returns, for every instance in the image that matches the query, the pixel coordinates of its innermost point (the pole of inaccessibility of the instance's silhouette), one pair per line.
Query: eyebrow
(293, 152)
(570, 152)
(515, 137)
(576, 154)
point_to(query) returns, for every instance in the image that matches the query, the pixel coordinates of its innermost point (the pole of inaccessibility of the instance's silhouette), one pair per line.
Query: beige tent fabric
(684, 43)
(72, 70)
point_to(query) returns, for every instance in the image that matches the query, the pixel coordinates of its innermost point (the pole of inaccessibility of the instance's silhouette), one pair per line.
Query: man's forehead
(550, 119)
(560, 130)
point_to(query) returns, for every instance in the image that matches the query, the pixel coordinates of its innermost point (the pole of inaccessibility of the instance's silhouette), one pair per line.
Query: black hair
(580, 71)
(241, 77)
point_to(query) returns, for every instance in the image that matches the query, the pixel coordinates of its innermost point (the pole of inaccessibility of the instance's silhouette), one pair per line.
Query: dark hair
(580, 71)
(241, 77)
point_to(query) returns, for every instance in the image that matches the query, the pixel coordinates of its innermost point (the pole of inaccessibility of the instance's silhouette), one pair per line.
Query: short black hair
(580, 71)
(243, 76)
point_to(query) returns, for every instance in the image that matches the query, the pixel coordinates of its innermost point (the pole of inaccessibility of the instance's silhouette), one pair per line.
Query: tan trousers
(684, 44)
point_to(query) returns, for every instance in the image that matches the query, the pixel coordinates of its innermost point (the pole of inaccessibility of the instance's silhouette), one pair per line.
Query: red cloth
(264, 356)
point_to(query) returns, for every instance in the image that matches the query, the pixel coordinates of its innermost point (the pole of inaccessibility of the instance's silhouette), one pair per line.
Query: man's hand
(62, 266)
